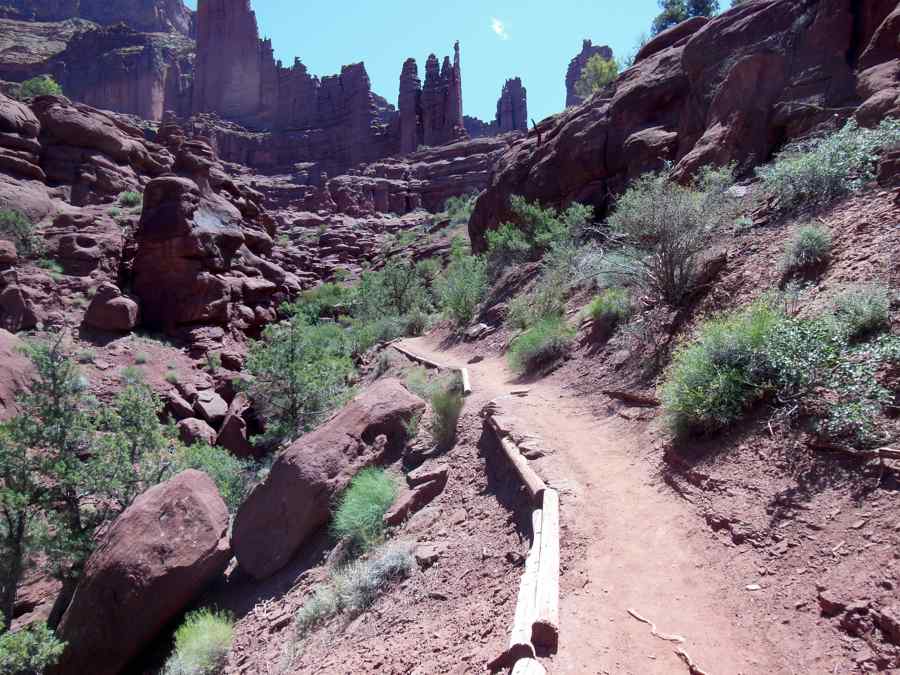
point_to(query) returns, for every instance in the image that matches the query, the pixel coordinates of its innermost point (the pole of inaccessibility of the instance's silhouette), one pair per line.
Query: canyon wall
(148, 16)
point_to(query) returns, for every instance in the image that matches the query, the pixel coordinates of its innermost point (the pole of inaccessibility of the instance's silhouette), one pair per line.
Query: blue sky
(498, 39)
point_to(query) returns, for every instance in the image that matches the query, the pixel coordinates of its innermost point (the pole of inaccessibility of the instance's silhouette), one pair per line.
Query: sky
(499, 39)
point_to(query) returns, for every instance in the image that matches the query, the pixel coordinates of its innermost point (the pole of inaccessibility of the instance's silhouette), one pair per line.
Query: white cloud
(499, 28)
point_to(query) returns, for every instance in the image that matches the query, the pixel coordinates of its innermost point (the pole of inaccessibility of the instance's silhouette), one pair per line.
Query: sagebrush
(202, 643)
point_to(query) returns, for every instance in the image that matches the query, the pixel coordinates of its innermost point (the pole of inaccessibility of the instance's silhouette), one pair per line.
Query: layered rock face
(512, 108)
(149, 16)
(112, 67)
(733, 89)
(577, 64)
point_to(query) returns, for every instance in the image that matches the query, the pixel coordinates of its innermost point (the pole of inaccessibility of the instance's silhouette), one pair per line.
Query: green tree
(596, 74)
(90, 465)
(299, 374)
(42, 85)
(29, 650)
(463, 285)
(676, 11)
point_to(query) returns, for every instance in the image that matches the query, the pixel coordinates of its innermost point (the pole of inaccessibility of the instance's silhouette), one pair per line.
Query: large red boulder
(155, 560)
(295, 499)
(111, 311)
(15, 373)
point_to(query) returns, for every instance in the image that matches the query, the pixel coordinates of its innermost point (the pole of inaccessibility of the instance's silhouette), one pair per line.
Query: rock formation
(15, 373)
(577, 64)
(512, 108)
(295, 498)
(713, 92)
(442, 119)
(149, 16)
(410, 108)
(157, 557)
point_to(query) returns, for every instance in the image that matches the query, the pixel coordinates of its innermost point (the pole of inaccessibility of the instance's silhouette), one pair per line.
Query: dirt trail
(637, 545)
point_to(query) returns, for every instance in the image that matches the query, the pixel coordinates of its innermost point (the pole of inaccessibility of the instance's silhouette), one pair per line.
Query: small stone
(754, 587)
(458, 517)
(426, 555)
(830, 604)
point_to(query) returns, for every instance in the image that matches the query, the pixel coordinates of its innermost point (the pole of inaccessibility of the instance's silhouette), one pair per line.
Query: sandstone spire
(410, 107)
(512, 108)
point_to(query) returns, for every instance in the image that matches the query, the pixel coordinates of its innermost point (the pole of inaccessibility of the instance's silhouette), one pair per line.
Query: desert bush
(662, 230)
(807, 251)
(596, 74)
(326, 301)
(822, 169)
(354, 588)
(863, 311)
(719, 374)
(18, 229)
(610, 309)
(130, 199)
(230, 474)
(202, 643)
(540, 346)
(462, 286)
(458, 210)
(29, 650)
(748, 355)
(42, 85)
(299, 375)
(536, 230)
(361, 508)
(447, 404)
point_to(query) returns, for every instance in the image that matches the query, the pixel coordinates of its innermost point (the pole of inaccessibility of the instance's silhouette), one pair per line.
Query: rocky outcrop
(733, 90)
(157, 557)
(410, 108)
(512, 108)
(295, 498)
(149, 16)
(442, 119)
(577, 64)
(116, 67)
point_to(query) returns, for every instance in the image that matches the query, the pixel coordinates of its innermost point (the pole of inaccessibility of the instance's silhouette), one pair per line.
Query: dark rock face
(149, 16)
(712, 92)
(512, 108)
(157, 557)
(577, 64)
(295, 499)
(410, 107)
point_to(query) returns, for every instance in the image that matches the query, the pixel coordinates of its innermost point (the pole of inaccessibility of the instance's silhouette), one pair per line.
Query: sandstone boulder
(8, 255)
(111, 311)
(295, 498)
(233, 433)
(191, 430)
(155, 560)
(211, 407)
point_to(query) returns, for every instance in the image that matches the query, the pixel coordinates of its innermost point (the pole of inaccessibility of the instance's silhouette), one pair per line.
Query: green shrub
(458, 210)
(719, 374)
(863, 311)
(610, 309)
(823, 169)
(447, 404)
(54, 269)
(42, 85)
(29, 650)
(230, 474)
(354, 588)
(536, 230)
(596, 74)
(807, 251)
(662, 230)
(141, 358)
(740, 358)
(18, 229)
(130, 199)
(462, 287)
(541, 346)
(360, 511)
(202, 643)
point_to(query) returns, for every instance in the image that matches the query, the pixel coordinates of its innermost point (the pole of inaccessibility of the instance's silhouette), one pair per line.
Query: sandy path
(643, 547)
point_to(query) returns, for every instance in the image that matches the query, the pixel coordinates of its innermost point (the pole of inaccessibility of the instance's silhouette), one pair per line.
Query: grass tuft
(202, 643)
(360, 511)
(541, 346)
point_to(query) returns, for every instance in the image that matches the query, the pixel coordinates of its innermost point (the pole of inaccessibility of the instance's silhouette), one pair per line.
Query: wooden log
(419, 359)
(520, 637)
(466, 384)
(527, 475)
(528, 666)
(545, 631)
